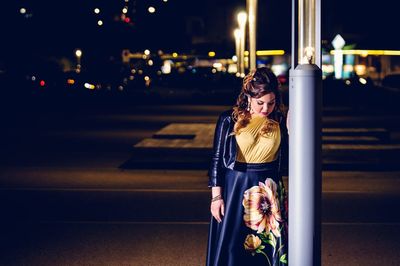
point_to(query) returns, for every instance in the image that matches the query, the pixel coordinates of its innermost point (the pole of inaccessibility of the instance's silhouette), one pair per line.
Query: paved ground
(64, 200)
(177, 244)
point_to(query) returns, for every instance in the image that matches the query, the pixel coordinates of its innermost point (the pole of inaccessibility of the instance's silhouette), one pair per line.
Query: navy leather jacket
(224, 149)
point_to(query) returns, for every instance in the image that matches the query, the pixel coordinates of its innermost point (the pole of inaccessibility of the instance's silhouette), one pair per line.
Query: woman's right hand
(218, 209)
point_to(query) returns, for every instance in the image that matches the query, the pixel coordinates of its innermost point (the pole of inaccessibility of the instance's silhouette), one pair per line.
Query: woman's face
(264, 105)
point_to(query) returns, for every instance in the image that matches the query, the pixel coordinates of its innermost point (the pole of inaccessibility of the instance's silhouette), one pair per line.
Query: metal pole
(305, 166)
(318, 53)
(252, 10)
(242, 48)
(237, 49)
(242, 18)
(295, 50)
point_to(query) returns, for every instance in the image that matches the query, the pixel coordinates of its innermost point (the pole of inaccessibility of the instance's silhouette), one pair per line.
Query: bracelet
(216, 198)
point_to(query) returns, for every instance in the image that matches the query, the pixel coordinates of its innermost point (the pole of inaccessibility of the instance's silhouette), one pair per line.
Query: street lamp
(252, 9)
(305, 105)
(242, 18)
(151, 9)
(237, 35)
(78, 54)
(307, 31)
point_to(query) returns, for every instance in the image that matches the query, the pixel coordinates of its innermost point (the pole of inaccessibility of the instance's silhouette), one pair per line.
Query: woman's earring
(248, 107)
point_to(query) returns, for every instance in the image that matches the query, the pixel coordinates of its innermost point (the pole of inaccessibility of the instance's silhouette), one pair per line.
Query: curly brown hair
(256, 84)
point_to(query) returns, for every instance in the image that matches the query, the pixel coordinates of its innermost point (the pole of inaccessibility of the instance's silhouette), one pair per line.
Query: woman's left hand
(287, 122)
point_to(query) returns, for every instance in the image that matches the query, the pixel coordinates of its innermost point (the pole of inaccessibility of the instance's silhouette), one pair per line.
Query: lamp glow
(365, 53)
(78, 53)
(270, 52)
(89, 86)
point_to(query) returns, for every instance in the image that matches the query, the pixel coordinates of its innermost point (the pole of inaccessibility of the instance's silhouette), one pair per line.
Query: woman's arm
(216, 173)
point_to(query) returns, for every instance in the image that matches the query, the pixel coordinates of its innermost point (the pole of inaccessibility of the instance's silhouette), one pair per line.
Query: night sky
(58, 27)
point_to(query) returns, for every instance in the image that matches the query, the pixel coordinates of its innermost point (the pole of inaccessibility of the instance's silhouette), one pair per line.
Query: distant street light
(22, 11)
(147, 81)
(237, 34)
(242, 18)
(96, 10)
(78, 54)
(100, 23)
(151, 9)
(252, 9)
(125, 10)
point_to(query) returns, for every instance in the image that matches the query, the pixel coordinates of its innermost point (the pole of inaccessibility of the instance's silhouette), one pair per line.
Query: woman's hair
(256, 84)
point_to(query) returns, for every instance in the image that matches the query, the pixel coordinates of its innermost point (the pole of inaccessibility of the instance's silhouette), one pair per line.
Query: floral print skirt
(254, 229)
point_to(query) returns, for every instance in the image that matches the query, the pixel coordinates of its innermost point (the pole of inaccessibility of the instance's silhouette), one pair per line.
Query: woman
(248, 206)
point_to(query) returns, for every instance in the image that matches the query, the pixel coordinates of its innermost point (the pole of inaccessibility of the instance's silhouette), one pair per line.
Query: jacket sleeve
(216, 171)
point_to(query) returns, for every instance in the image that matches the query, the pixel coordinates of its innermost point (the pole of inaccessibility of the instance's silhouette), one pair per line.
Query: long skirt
(254, 229)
